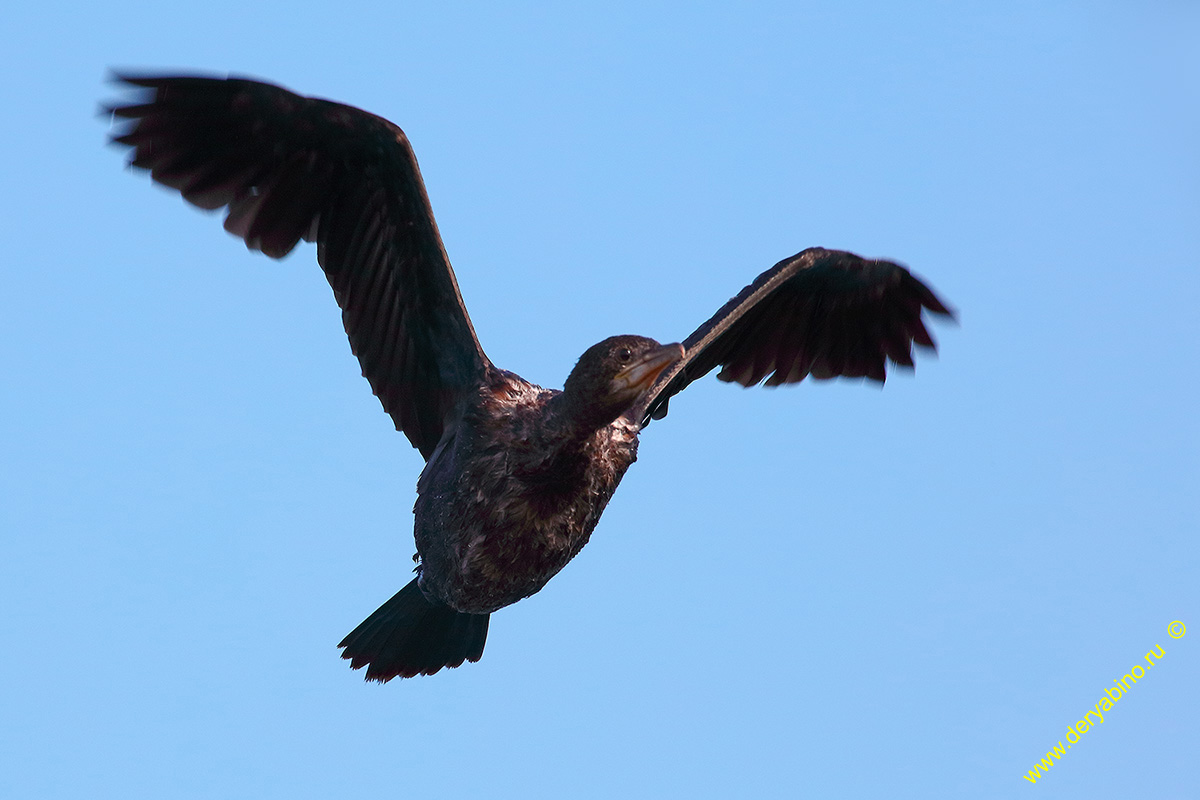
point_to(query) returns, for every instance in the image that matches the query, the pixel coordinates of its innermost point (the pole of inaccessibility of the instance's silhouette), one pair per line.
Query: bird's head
(611, 375)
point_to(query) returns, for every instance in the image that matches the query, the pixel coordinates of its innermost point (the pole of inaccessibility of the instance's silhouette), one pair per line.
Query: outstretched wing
(821, 312)
(288, 167)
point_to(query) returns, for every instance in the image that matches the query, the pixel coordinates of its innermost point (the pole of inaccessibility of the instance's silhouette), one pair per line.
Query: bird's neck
(565, 441)
(572, 425)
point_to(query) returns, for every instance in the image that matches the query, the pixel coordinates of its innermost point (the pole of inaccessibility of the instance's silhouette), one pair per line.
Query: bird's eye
(624, 354)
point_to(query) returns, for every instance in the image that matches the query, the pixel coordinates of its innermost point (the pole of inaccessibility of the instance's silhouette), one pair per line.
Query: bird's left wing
(289, 167)
(821, 312)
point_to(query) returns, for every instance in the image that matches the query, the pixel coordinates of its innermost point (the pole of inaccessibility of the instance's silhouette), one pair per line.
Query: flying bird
(516, 476)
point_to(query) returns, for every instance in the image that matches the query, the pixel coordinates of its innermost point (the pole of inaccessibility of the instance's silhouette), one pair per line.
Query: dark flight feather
(289, 168)
(825, 313)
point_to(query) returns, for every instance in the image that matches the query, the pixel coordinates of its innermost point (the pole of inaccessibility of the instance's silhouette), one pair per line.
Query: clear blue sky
(820, 591)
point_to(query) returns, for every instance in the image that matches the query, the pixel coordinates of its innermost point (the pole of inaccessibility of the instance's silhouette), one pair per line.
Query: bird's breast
(512, 517)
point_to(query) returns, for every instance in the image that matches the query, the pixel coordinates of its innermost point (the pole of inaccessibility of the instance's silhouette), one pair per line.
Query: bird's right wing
(289, 167)
(821, 312)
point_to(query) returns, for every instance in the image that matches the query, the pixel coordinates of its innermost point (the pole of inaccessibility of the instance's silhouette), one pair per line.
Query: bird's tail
(408, 635)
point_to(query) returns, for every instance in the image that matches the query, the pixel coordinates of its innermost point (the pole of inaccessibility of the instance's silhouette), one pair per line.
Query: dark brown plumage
(516, 476)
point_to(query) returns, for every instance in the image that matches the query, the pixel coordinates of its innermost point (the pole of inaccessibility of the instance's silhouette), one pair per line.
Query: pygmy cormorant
(516, 476)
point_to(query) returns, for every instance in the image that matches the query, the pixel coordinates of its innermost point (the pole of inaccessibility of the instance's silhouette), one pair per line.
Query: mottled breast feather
(512, 500)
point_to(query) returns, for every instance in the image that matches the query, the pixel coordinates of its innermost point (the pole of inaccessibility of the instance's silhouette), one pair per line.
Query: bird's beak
(641, 374)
